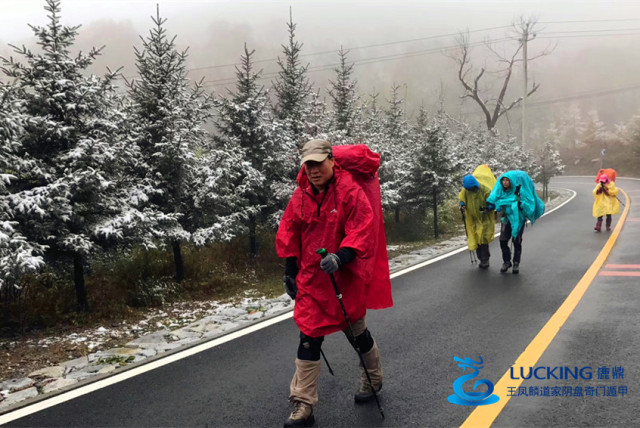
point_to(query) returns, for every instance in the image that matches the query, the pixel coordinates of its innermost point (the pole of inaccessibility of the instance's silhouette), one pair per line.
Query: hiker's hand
(330, 263)
(599, 190)
(462, 207)
(290, 286)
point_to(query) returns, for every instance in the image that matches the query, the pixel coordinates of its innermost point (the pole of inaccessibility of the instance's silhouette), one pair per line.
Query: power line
(258, 61)
(592, 31)
(410, 41)
(358, 47)
(589, 21)
(362, 61)
(391, 57)
(589, 35)
(584, 95)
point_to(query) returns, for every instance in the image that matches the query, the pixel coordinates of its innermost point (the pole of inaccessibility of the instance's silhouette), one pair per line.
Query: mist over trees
(159, 159)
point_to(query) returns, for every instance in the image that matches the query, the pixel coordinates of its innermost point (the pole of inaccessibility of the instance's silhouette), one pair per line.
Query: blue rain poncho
(528, 206)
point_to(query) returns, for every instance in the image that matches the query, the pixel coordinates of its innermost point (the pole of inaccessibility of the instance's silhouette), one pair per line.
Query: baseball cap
(315, 150)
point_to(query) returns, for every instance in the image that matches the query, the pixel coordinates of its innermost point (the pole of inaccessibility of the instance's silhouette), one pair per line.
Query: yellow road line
(484, 416)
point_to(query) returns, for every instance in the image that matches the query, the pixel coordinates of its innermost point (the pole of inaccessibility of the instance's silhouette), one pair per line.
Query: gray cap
(315, 150)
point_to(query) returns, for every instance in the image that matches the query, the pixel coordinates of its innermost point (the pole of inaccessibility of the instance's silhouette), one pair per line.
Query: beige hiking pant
(304, 385)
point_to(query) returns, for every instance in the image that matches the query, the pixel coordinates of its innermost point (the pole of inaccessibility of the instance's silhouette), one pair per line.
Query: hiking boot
(302, 415)
(516, 268)
(608, 224)
(365, 394)
(484, 264)
(372, 360)
(598, 225)
(505, 267)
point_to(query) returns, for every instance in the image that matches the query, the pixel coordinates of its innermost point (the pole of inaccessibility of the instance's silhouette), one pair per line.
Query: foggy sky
(598, 55)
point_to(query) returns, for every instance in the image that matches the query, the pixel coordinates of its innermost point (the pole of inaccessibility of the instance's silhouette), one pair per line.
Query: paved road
(446, 309)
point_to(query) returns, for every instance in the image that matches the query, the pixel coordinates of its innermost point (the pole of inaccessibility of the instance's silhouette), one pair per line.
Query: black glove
(330, 263)
(485, 209)
(290, 286)
(518, 190)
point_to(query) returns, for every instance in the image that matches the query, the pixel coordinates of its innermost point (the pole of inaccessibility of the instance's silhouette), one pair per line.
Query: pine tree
(550, 165)
(343, 96)
(434, 167)
(394, 148)
(372, 127)
(18, 256)
(318, 122)
(224, 182)
(573, 126)
(632, 137)
(595, 132)
(69, 198)
(292, 87)
(243, 120)
(192, 183)
(500, 153)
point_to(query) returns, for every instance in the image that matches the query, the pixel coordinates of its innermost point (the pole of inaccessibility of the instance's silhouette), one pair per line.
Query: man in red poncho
(330, 210)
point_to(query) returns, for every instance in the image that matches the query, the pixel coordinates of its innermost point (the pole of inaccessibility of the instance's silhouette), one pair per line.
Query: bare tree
(494, 108)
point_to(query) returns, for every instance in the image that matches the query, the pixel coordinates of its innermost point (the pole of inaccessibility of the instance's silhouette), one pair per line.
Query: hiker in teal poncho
(514, 194)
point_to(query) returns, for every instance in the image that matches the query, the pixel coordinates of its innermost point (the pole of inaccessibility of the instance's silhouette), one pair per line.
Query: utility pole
(525, 39)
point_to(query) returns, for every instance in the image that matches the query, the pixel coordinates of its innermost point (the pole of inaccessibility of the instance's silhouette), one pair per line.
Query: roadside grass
(120, 285)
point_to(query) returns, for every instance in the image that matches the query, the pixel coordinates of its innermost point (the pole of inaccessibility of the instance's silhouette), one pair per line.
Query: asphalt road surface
(446, 309)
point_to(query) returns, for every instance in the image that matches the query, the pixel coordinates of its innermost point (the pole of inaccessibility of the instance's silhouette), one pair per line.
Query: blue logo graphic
(471, 398)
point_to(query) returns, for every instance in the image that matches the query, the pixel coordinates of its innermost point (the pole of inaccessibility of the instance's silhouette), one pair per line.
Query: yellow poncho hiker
(480, 223)
(605, 202)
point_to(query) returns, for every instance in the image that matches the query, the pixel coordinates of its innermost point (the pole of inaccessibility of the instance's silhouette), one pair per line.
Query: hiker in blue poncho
(514, 194)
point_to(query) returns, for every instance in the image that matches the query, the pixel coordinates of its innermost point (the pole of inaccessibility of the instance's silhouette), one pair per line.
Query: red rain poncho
(342, 218)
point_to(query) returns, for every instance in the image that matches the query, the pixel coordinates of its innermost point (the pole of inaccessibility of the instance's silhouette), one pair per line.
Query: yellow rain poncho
(480, 225)
(606, 203)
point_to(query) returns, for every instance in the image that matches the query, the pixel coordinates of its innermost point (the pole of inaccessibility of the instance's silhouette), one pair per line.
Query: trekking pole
(464, 222)
(326, 361)
(620, 201)
(323, 253)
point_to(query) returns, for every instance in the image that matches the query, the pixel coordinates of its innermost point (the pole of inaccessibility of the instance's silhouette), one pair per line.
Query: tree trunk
(78, 279)
(397, 214)
(435, 212)
(177, 259)
(253, 239)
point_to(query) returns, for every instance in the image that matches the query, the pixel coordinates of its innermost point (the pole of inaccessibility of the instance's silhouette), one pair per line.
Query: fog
(594, 63)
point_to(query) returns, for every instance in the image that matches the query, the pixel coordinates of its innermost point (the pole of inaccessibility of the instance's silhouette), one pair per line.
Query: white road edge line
(66, 396)
(75, 393)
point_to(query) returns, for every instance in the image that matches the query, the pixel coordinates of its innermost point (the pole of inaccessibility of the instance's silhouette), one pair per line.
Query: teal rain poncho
(531, 206)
